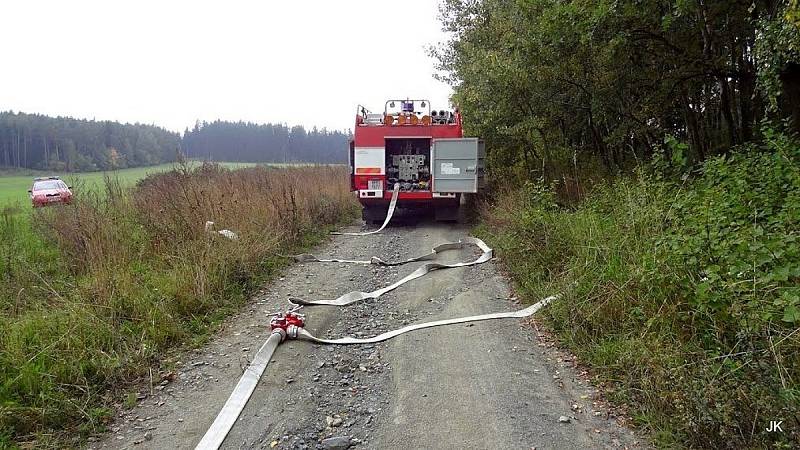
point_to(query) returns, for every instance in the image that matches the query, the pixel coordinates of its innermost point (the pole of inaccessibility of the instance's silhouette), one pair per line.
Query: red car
(50, 191)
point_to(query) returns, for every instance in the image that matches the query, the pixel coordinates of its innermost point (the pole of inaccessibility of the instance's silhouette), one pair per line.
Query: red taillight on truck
(371, 182)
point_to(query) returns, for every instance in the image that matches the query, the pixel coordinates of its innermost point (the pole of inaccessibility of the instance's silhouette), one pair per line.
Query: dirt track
(489, 384)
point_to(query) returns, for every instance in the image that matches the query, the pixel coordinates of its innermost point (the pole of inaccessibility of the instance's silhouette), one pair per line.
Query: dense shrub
(683, 296)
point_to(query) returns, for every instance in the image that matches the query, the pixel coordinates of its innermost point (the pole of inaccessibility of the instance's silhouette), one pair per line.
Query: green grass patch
(683, 296)
(14, 185)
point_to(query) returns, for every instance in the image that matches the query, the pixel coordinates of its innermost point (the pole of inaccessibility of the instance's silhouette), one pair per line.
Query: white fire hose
(307, 257)
(355, 296)
(302, 333)
(244, 388)
(241, 394)
(392, 205)
(290, 325)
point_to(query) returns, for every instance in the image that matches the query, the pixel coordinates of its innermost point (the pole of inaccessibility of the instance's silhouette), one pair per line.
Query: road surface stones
(492, 384)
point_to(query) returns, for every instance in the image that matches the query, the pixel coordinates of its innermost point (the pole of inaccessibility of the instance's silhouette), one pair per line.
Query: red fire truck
(418, 148)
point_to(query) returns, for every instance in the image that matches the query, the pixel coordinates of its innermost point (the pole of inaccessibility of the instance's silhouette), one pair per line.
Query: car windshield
(49, 184)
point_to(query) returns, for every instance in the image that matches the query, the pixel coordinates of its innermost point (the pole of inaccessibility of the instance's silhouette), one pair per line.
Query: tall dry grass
(110, 283)
(264, 206)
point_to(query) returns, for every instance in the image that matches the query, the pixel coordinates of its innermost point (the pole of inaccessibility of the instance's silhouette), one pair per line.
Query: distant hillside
(38, 142)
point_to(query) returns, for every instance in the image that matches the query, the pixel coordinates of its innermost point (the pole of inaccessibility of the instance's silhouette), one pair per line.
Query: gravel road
(492, 384)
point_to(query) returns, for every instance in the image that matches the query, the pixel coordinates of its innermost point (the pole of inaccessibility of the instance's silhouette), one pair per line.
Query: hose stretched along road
(241, 394)
(392, 205)
(302, 333)
(356, 296)
(235, 404)
(244, 389)
(307, 257)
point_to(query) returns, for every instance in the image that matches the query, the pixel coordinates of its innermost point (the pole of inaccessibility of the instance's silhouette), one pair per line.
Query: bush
(683, 296)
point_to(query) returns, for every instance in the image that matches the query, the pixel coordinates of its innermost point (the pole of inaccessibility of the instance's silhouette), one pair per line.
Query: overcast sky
(172, 62)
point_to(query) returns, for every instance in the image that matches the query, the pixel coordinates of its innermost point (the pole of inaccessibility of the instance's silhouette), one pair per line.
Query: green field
(14, 187)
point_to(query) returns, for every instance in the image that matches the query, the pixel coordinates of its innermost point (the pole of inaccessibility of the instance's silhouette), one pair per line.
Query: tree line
(251, 142)
(36, 141)
(64, 144)
(553, 85)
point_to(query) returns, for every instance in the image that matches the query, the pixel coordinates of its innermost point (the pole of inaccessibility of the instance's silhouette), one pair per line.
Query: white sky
(171, 62)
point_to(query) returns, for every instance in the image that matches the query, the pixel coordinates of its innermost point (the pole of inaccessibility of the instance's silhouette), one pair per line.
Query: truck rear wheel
(462, 210)
(450, 211)
(447, 213)
(469, 208)
(374, 215)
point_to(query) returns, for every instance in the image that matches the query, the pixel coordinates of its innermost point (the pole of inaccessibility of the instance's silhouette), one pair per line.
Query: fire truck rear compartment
(408, 162)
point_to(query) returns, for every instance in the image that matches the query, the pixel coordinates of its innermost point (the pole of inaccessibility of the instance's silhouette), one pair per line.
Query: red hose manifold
(287, 323)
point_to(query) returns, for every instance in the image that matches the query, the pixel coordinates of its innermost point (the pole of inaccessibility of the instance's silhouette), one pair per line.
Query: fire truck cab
(418, 148)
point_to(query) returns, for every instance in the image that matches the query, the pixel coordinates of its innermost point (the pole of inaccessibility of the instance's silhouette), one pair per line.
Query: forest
(36, 141)
(64, 144)
(558, 86)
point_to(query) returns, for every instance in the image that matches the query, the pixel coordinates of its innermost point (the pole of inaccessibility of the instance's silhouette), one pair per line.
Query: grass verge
(95, 293)
(684, 298)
